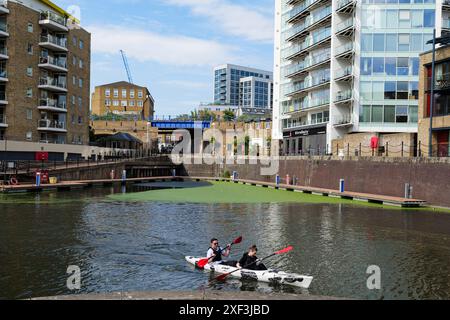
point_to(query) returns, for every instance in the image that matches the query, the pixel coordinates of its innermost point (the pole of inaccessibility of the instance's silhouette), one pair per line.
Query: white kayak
(269, 276)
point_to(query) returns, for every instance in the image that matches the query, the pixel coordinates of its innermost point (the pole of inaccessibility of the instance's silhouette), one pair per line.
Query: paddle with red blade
(202, 263)
(224, 276)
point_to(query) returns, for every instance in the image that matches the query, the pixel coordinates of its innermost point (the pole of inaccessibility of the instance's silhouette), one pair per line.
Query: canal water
(141, 246)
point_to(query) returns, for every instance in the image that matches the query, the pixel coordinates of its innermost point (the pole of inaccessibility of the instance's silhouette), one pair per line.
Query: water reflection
(141, 246)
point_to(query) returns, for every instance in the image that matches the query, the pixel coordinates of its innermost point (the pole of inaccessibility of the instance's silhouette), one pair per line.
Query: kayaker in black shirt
(250, 260)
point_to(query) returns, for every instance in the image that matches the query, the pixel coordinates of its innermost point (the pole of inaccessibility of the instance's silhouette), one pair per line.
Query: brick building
(44, 74)
(123, 98)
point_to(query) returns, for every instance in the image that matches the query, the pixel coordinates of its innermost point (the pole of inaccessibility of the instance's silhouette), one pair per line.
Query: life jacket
(218, 254)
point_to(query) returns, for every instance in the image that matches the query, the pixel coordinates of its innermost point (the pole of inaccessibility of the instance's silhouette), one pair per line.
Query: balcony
(3, 99)
(445, 5)
(306, 124)
(300, 11)
(4, 7)
(53, 21)
(53, 64)
(308, 64)
(306, 106)
(309, 84)
(4, 53)
(346, 6)
(3, 75)
(344, 121)
(53, 43)
(4, 30)
(51, 125)
(343, 97)
(344, 74)
(3, 123)
(345, 51)
(301, 49)
(346, 28)
(442, 82)
(52, 105)
(52, 85)
(312, 21)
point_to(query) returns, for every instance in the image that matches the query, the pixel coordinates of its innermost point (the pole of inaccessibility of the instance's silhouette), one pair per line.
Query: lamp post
(444, 41)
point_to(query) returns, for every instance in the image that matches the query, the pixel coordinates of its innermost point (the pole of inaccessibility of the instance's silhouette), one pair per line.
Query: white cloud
(145, 46)
(236, 20)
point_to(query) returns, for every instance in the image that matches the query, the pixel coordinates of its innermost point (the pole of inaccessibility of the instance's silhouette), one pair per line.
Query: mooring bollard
(277, 179)
(38, 179)
(342, 185)
(124, 177)
(288, 179)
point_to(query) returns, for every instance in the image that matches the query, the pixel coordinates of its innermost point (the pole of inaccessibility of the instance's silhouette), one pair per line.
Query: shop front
(307, 141)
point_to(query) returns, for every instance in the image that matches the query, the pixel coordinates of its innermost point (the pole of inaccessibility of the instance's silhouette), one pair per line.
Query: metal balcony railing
(292, 125)
(52, 82)
(62, 42)
(343, 3)
(308, 62)
(344, 95)
(309, 83)
(3, 73)
(51, 124)
(299, 9)
(4, 51)
(308, 43)
(2, 119)
(339, 121)
(306, 104)
(347, 71)
(345, 24)
(48, 15)
(4, 27)
(347, 47)
(53, 103)
(58, 62)
(309, 22)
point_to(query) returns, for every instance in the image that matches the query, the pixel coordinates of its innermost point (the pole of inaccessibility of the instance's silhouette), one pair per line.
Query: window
(29, 136)
(377, 114)
(402, 66)
(402, 90)
(391, 42)
(74, 60)
(81, 63)
(131, 103)
(404, 19)
(74, 80)
(366, 90)
(123, 103)
(389, 114)
(73, 100)
(30, 48)
(403, 42)
(392, 19)
(366, 66)
(30, 71)
(378, 42)
(124, 93)
(140, 103)
(389, 90)
(413, 90)
(140, 94)
(365, 114)
(29, 93)
(132, 94)
(80, 120)
(29, 114)
(116, 93)
(391, 66)
(413, 114)
(74, 41)
(80, 83)
(81, 44)
(30, 27)
(417, 19)
(401, 114)
(414, 66)
(80, 102)
(107, 93)
(428, 18)
(115, 103)
(378, 91)
(417, 42)
(378, 66)
(107, 102)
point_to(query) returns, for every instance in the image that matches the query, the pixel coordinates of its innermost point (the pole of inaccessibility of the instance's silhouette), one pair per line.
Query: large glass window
(414, 90)
(389, 90)
(377, 113)
(389, 114)
(391, 42)
(391, 66)
(392, 19)
(378, 42)
(404, 19)
(416, 42)
(366, 66)
(366, 42)
(428, 18)
(417, 18)
(401, 114)
(364, 114)
(402, 90)
(378, 66)
(402, 66)
(366, 90)
(403, 42)
(378, 91)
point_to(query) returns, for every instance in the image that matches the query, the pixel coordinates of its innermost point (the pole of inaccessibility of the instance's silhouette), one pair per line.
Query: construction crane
(127, 67)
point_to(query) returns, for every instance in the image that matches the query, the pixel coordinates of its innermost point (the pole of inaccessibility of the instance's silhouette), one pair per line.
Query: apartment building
(229, 89)
(349, 66)
(125, 99)
(440, 130)
(44, 74)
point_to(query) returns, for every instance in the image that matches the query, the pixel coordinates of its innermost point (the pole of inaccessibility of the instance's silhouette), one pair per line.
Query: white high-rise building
(349, 66)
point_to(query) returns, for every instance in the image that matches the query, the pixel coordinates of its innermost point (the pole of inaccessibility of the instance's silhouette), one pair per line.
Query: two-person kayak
(268, 276)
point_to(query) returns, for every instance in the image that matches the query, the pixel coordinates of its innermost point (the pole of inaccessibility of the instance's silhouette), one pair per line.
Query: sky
(173, 45)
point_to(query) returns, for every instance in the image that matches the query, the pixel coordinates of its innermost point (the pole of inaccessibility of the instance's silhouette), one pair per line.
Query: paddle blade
(222, 277)
(290, 248)
(202, 263)
(238, 240)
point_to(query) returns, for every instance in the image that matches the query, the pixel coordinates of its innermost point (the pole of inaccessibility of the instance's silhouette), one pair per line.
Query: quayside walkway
(366, 197)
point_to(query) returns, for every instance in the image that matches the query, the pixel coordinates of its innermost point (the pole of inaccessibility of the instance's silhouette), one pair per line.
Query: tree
(229, 115)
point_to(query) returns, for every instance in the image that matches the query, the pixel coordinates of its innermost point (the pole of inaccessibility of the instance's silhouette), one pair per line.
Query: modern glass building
(256, 93)
(227, 82)
(349, 66)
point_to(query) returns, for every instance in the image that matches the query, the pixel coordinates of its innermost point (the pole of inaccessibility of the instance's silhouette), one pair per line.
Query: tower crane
(127, 67)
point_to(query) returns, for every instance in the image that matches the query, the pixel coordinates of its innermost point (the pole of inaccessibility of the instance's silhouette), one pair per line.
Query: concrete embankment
(193, 296)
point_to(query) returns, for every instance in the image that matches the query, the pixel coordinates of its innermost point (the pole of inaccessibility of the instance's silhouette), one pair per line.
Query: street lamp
(444, 41)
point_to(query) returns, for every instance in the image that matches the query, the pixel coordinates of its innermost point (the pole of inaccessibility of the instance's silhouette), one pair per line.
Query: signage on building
(305, 132)
(41, 156)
